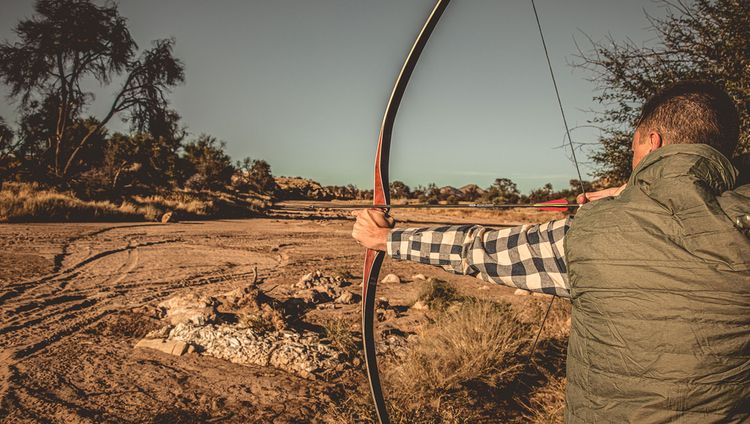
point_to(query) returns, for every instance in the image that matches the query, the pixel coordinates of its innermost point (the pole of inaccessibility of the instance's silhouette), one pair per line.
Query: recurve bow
(382, 196)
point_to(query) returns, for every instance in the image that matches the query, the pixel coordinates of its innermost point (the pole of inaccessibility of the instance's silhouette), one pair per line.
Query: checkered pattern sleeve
(529, 257)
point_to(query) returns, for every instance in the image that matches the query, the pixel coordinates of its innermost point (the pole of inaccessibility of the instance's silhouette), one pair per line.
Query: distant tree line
(502, 191)
(59, 143)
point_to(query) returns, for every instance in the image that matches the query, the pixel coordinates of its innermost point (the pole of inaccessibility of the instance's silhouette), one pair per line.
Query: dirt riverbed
(75, 299)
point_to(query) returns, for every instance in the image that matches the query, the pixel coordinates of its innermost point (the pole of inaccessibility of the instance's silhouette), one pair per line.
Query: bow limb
(381, 196)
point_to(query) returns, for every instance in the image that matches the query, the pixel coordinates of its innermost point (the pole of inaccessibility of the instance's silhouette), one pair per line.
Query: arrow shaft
(460, 206)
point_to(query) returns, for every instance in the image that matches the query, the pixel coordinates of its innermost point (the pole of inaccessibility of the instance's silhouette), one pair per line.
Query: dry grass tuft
(557, 326)
(478, 342)
(547, 404)
(32, 203)
(24, 202)
(438, 294)
(337, 332)
(545, 400)
(470, 352)
(471, 364)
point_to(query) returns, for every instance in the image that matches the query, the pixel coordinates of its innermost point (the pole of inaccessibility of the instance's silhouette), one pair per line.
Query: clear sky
(303, 83)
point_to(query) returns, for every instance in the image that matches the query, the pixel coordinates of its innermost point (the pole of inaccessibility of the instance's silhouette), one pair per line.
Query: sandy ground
(73, 303)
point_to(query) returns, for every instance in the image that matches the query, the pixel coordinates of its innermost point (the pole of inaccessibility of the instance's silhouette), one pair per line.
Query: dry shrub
(262, 319)
(350, 407)
(438, 294)
(21, 202)
(30, 202)
(547, 404)
(337, 332)
(181, 202)
(472, 365)
(254, 309)
(545, 401)
(188, 204)
(557, 325)
(471, 351)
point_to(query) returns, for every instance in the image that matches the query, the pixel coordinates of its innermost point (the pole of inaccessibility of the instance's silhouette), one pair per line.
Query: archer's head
(687, 112)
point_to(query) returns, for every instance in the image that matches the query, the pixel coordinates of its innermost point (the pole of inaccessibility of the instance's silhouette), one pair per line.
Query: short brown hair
(691, 112)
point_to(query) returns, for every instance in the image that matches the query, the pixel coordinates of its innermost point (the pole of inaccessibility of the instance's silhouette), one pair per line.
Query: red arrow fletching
(554, 202)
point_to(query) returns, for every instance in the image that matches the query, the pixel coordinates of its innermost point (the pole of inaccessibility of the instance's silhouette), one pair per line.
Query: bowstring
(572, 151)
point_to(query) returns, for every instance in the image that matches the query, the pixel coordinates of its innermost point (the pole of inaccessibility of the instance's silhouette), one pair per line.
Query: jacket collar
(699, 160)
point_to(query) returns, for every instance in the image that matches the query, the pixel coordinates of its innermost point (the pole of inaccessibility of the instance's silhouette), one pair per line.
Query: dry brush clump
(468, 356)
(557, 326)
(472, 363)
(254, 309)
(544, 401)
(31, 202)
(20, 202)
(338, 333)
(438, 294)
(189, 204)
(546, 405)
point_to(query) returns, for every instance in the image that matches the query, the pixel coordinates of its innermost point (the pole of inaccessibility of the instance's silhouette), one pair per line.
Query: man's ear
(654, 140)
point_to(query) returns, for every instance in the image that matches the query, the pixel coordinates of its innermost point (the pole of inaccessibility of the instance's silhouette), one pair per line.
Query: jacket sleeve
(530, 257)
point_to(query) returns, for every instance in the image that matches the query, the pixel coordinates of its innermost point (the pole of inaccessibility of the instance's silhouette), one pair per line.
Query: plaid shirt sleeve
(529, 257)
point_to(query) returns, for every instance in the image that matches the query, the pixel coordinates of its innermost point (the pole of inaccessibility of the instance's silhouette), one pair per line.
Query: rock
(253, 308)
(539, 294)
(483, 288)
(300, 353)
(304, 282)
(317, 279)
(382, 303)
(312, 296)
(294, 306)
(346, 298)
(391, 278)
(385, 314)
(189, 307)
(172, 347)
(420, 305)
(160, 333)
(521, 292)
(168, 217)
(416, 277)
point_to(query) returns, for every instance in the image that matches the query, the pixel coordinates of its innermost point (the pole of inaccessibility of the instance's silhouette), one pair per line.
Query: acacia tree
(6, 145)
(70, 42)
(254, 175)
(399, 190)
(503, 190)
(208, 164)
(702, 40)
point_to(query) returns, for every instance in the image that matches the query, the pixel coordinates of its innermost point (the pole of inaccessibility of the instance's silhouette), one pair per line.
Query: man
(657, 271)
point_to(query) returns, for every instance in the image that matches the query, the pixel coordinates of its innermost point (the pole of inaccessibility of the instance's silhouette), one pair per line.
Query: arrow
(557, 205)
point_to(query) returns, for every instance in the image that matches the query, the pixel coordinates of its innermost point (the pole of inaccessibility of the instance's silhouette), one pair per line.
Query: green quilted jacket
(660, 287)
